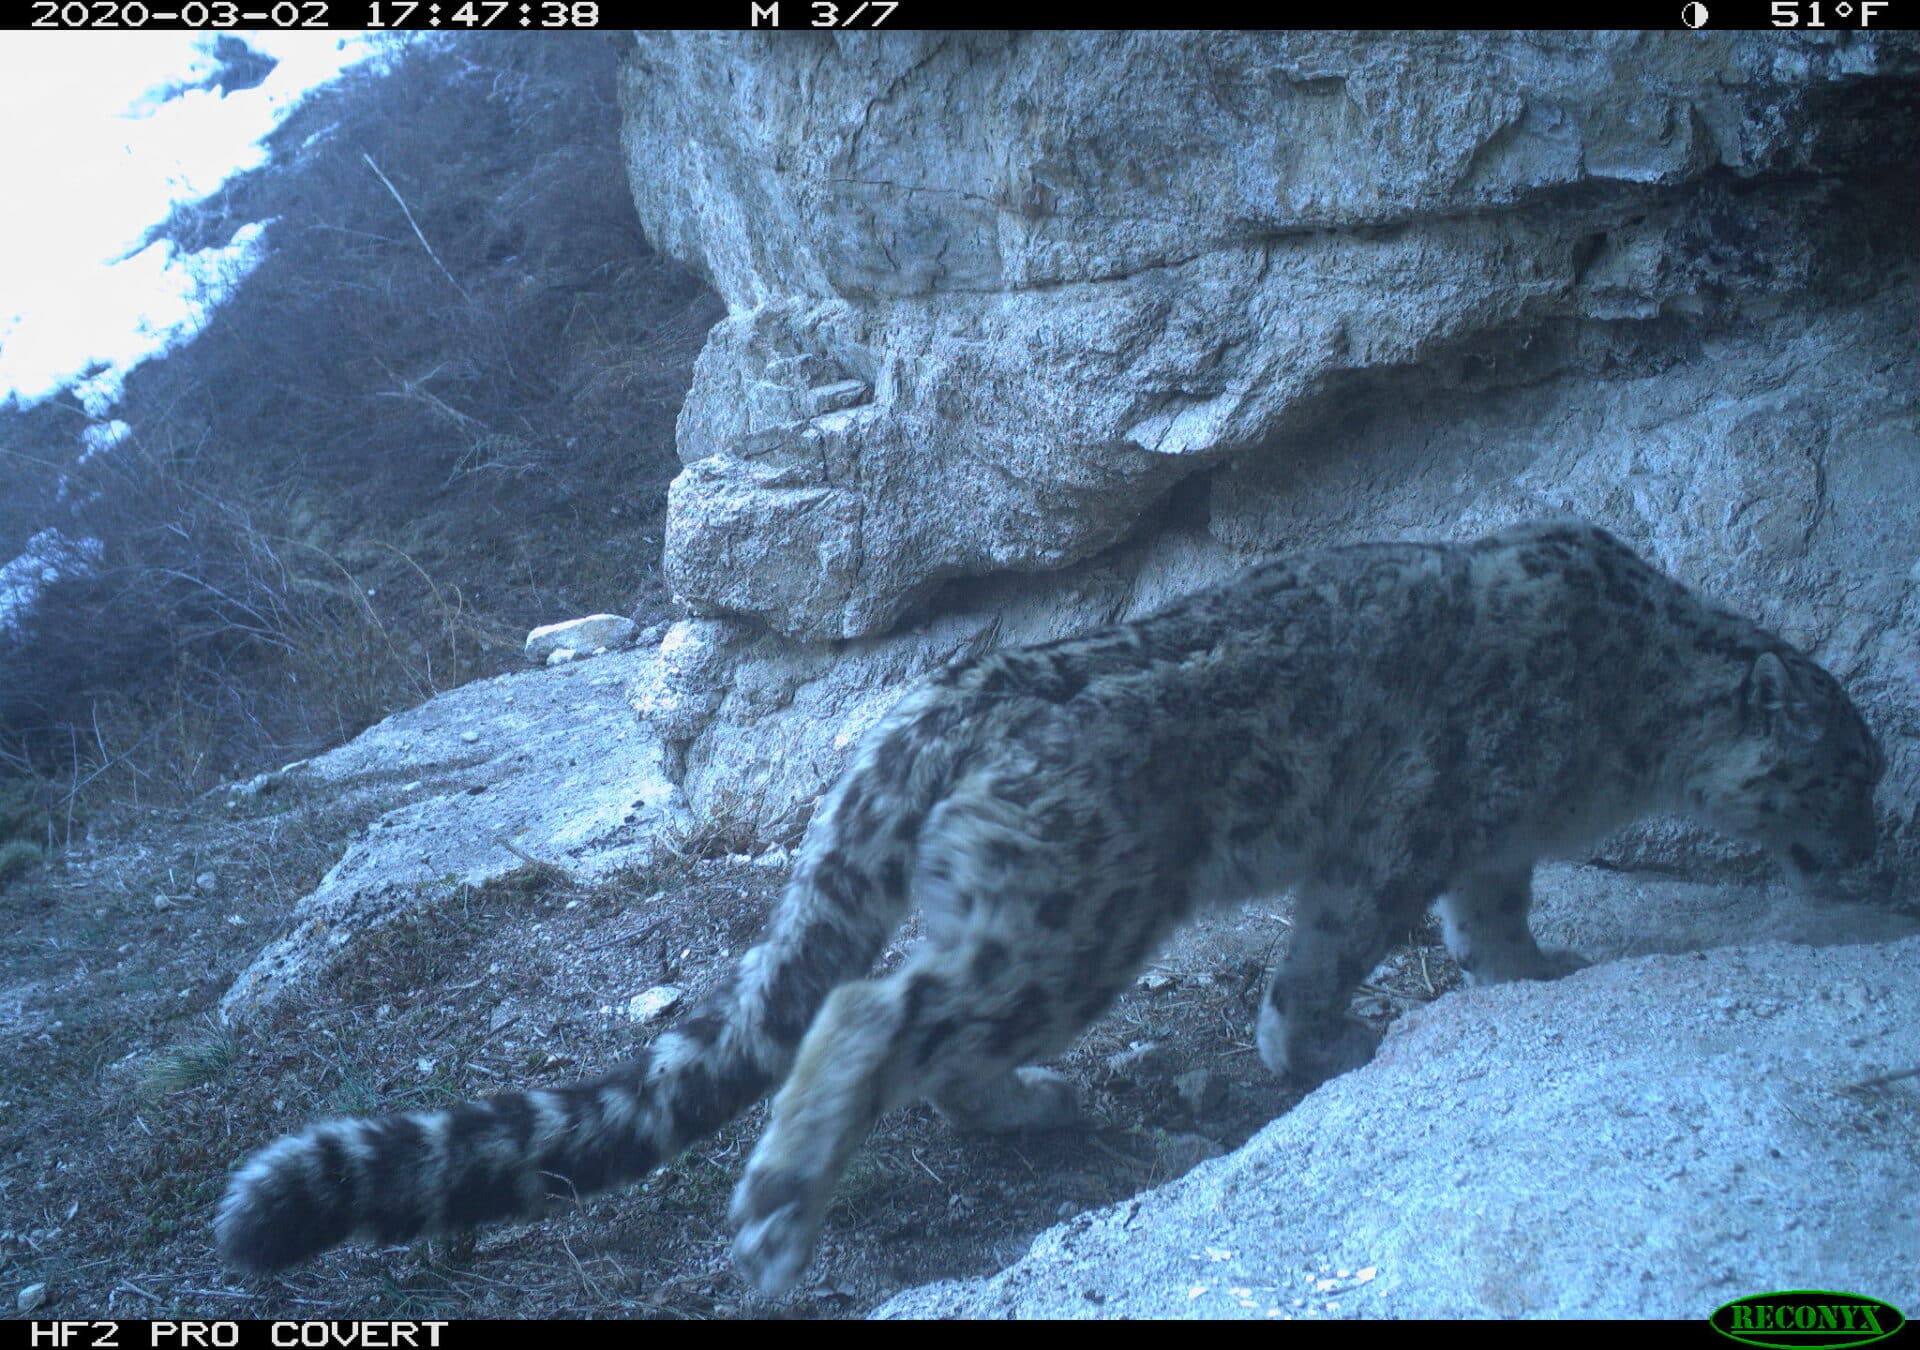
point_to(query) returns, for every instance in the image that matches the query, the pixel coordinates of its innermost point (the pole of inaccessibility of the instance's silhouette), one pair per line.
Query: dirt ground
(124, 1103)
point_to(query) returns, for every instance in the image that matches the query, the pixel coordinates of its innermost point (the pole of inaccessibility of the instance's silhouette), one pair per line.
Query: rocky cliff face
(1028, 332)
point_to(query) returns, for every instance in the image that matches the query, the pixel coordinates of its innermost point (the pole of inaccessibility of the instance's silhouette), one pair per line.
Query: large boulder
(1648, 1138)
(544, 765)
(1030, 331)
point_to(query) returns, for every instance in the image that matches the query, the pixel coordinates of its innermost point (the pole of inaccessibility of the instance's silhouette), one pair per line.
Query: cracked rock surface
(1031, 331)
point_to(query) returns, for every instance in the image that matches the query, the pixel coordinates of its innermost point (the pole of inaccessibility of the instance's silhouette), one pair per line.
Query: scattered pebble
(655, 1003)
(1142, 1059)
(1180, 1153)
(1201, 1090)
(31, 1297)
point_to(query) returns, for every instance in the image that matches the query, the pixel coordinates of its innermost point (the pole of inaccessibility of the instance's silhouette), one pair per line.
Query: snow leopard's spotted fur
(1374, 727)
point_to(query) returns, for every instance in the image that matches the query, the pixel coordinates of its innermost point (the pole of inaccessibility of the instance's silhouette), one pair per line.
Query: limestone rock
(1000, 366)
(555, 764)
(1033, 327)
(1608, 1145)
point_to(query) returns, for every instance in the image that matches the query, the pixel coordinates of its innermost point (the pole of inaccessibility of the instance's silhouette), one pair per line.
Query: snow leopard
(1376, 728)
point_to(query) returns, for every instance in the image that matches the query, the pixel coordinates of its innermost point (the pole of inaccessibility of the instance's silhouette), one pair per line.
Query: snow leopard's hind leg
(940, 1027)
(1015, 964)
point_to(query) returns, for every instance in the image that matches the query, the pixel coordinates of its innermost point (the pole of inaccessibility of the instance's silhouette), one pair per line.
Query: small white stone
(1142, 1060)
(31, 1297)
(655, 1003)
(596, 630)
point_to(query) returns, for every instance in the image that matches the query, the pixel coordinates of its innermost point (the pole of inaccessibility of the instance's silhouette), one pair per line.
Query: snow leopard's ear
(1772, 705)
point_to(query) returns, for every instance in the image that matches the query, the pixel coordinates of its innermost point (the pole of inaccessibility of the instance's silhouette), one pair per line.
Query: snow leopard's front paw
(1526, 963)
(1026, 1099)
(1558, 961)
(1310, 1051)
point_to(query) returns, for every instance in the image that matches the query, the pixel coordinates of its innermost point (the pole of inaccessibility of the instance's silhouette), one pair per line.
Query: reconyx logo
(1793, 1318)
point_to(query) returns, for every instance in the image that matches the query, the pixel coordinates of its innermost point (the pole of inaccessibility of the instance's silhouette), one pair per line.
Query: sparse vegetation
(26, 809)
(373, 471)
(734, 821)
(206, 1058)
(17, 855)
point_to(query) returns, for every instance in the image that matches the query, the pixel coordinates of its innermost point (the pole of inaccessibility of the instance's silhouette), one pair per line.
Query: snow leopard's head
(1799, 778)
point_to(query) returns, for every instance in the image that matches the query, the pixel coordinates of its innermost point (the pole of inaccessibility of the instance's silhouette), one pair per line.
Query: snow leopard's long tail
(513, 1155)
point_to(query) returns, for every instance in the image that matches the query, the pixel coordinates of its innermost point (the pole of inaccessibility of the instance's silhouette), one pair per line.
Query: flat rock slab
(550, 760)
(1647, 1138)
